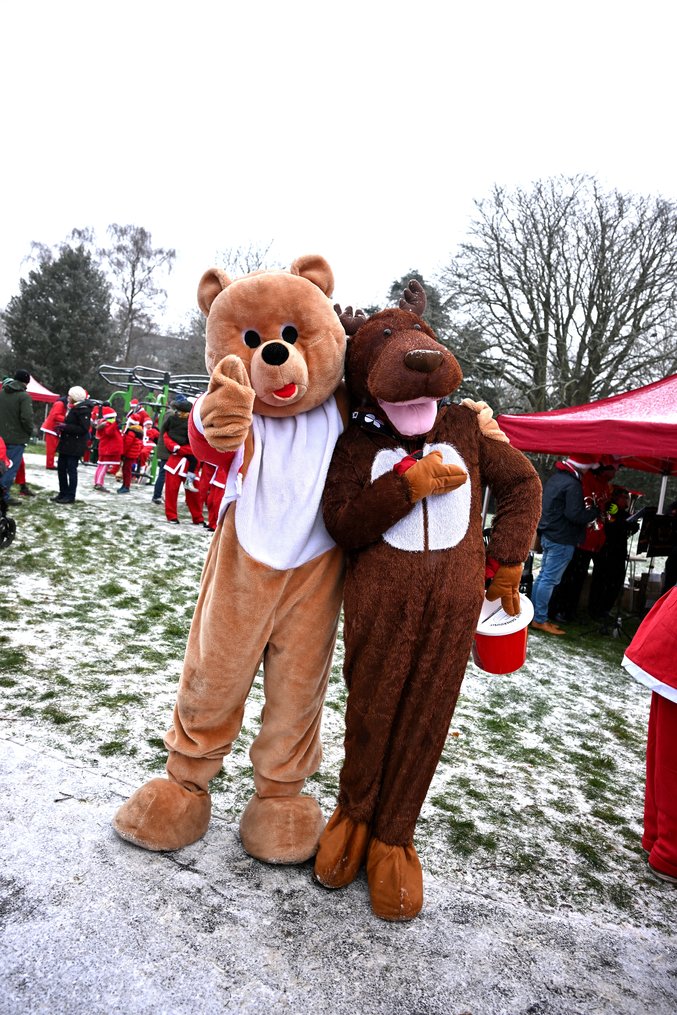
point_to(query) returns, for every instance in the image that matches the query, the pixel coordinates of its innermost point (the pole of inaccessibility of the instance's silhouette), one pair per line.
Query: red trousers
(127, 464)
(173, 482)
(51, 442)
(211, 494)
(20, 477)
(660, 801)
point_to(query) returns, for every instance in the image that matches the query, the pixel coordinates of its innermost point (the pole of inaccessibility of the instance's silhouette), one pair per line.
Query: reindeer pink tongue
(411, 418)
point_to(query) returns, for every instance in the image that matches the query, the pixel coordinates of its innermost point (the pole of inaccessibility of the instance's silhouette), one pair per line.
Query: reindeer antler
(350, 321)
(414, 298)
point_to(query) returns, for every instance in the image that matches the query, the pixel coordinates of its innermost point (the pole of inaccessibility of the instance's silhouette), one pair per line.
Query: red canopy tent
(38, 392)
(639, 427)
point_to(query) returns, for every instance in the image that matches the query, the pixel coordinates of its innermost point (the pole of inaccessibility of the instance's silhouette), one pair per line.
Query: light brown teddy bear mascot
(272, 581)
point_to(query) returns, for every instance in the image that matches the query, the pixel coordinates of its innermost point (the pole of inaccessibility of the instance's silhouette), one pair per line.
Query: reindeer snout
(423, 360)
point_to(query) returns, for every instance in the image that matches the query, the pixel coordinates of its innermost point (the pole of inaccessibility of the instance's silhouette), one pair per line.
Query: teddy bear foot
(342, 849)
(163, 815)
(281, 829)
(395, 881)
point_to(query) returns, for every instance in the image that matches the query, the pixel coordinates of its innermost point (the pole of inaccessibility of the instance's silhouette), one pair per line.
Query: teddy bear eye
(417, 327)
(252, 338)
(289, 333)
(387, 331)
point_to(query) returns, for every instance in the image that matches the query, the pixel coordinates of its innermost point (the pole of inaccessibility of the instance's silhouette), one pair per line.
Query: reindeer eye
(289, 334)
(417, 327)
(252, 338)
(387, 331)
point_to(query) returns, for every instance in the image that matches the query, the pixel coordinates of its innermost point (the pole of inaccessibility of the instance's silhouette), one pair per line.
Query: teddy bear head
(283, 327)
(395, 361)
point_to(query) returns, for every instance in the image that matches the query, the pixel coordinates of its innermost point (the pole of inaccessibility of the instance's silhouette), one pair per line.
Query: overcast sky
(360, 131)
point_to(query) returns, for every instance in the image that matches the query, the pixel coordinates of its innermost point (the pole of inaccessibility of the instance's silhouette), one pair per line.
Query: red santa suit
(150, 436)
(650, 658)
(56, 415)
(131, 449)
(176, 469)
(110, 446)
(212, 484)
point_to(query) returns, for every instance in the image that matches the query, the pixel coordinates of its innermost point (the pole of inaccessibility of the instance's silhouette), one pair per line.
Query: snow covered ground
(537, 895)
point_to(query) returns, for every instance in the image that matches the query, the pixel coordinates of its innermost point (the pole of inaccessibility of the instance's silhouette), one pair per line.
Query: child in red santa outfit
(180, 463)
(650, 658)
(109, 437)
(132, 443)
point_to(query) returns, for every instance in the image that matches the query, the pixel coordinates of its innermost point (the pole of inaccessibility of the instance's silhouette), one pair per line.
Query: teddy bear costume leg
(245, 610)
(393, 742)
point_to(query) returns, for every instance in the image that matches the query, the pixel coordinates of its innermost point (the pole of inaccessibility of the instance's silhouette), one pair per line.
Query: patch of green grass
(7, 682)
(110, 588)
(112, 747)
(176, 629)
(118, 747)
(153, 655)
(465, 838)
(47, 696)
(56, 716)
(121, 698)
(12, 659)
(590, 853)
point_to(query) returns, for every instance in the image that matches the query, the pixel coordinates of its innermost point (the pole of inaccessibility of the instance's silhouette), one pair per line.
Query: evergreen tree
(59, 325)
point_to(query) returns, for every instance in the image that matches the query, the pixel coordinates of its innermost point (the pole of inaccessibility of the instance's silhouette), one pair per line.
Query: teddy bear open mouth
(287, 392)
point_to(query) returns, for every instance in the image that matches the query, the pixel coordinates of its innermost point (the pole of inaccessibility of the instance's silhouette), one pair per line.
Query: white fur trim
(645, 678)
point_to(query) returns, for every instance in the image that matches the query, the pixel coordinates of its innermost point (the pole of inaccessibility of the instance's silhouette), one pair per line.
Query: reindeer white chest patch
(443, 518)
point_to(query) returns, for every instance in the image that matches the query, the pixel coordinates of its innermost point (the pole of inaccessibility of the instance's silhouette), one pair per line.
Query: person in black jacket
(561, 528)
(73, 438)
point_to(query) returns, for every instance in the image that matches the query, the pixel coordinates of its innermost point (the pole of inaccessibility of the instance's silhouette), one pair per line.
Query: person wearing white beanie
(562, 526)
(77, 394)
(73, 438)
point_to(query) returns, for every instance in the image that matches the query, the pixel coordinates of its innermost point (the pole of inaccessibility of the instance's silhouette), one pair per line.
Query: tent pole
(661, 496)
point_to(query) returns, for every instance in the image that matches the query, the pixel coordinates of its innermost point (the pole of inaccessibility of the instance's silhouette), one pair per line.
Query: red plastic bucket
(500, 644)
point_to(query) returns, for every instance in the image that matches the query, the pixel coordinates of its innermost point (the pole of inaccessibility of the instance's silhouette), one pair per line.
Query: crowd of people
(585, 521)
(79, 429)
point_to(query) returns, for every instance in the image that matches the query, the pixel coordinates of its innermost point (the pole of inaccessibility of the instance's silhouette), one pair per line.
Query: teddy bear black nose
(423, 360)
(275, 354)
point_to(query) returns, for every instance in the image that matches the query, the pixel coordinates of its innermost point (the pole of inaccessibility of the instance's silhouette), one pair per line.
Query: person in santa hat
(650, 659)
(132, 443)
(562, 526)
(174, 433)
(109, 437)
(56, 415)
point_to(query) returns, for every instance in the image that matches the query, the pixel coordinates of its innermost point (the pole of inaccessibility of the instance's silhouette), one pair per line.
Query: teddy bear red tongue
(286, 392)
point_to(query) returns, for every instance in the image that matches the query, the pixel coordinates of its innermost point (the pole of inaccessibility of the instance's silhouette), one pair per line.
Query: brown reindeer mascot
(403, 498)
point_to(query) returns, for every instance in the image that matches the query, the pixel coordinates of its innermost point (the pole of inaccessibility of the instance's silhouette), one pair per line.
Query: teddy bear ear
(211, 284)
(316, 270)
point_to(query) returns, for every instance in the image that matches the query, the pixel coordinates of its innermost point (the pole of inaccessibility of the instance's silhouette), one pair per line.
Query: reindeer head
(394, 360)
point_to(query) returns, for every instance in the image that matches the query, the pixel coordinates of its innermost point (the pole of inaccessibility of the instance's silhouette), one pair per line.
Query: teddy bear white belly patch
(277, 516)
(448, 514)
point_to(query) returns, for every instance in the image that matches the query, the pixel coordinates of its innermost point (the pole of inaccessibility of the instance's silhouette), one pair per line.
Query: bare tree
(572, 288)
(242, 260)
(135, 267)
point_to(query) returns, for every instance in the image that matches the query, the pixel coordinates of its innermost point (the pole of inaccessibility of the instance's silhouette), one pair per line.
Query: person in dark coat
(16, 426)
(608, 573)
(561, 529)
(73, 439)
